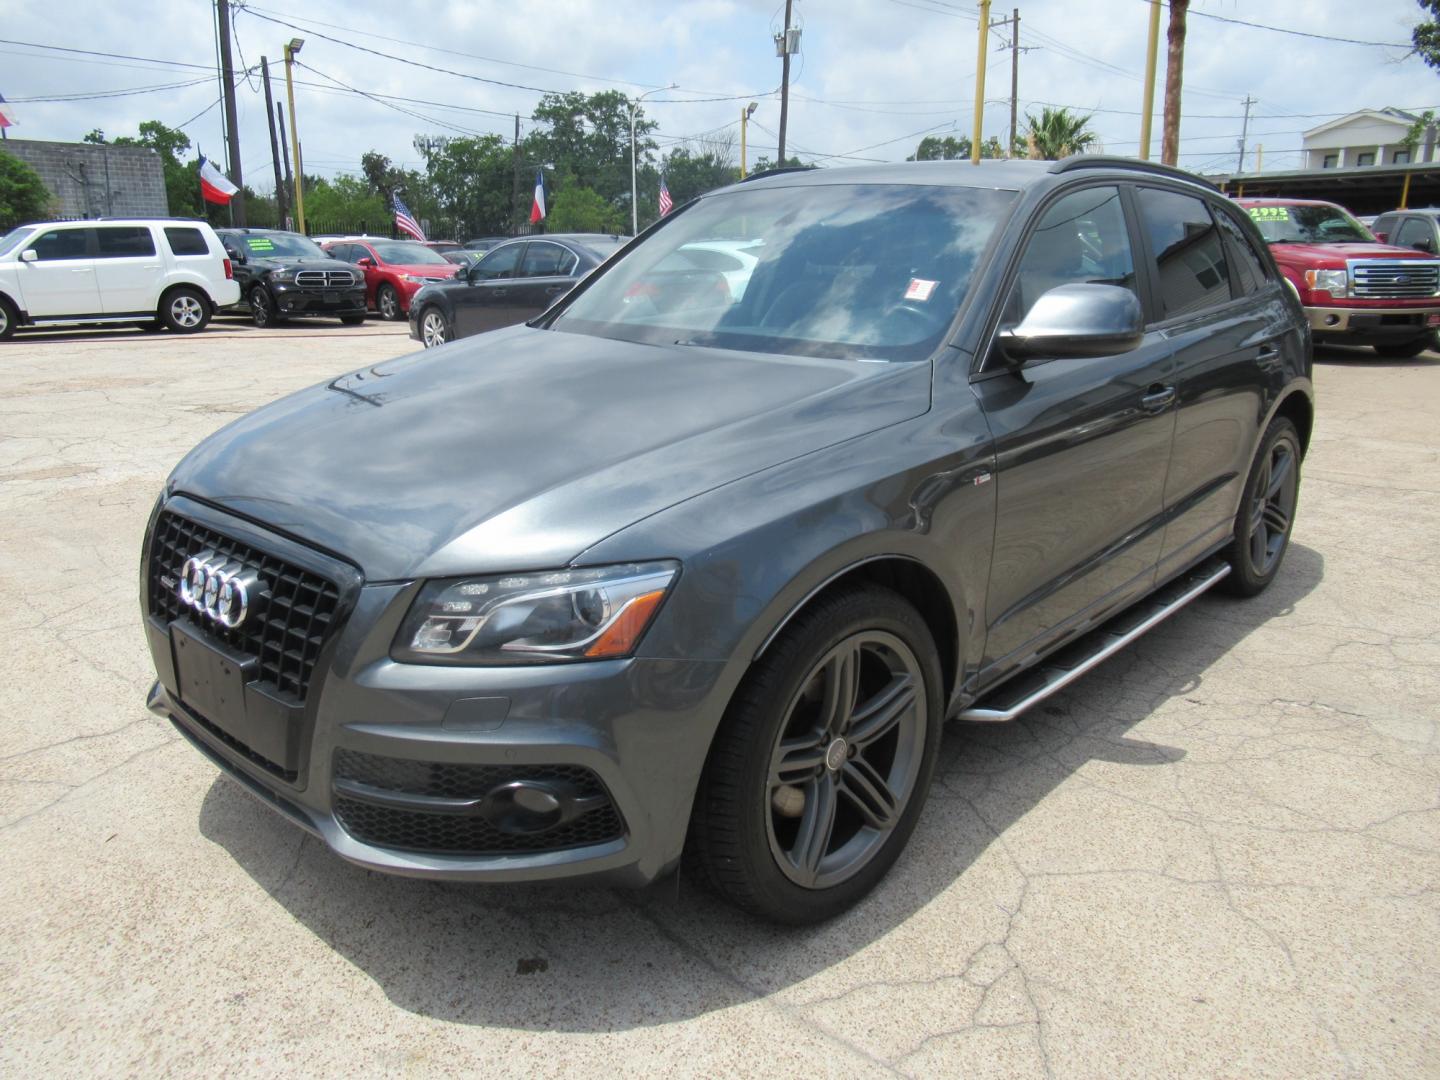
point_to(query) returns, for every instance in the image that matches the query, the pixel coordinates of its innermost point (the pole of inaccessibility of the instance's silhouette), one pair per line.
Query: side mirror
(1424, 244)
(366, 262)
(1381, 237)
(1076, 321)
(236, 256)
(29, 255)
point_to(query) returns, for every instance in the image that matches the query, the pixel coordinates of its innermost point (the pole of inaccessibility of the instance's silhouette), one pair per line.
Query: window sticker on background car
(920, 289)
(261, 243)
(1269, 213)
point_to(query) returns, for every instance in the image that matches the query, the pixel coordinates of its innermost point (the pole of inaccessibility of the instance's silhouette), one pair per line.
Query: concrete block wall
(91, 180)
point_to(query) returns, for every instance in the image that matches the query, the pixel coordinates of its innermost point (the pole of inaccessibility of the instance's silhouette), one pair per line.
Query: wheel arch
(1297, 407)
(902, 574)
(171, 287)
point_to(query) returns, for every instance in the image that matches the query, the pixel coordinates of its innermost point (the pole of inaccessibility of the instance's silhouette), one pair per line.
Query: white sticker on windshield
(920, 289)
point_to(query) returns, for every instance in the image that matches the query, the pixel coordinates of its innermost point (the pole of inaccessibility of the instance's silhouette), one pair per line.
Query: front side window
(1309, 223)
(1081, 239)
(500, 263)
(63, 244)
(1413, 231)
(1189, 256)
(124, 241)
(186, 241)
(851, 271)
(15, 237)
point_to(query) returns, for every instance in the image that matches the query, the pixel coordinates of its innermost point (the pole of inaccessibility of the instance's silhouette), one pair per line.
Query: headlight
(413, 279)
(286, 275)
(1335, 282)
(589, 614)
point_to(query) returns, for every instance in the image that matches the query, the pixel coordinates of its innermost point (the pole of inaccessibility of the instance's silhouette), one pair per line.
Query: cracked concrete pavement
(1217, 855)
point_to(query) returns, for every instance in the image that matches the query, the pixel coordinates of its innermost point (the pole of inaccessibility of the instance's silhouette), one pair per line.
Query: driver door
(487, 303)
(1082, 445)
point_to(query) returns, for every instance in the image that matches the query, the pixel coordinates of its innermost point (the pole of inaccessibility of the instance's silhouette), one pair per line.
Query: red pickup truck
(1355, 291)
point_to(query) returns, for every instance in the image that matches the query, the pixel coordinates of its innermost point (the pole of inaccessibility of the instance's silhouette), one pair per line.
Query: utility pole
(1014, 24)
(293, 46)
(274, 146)
(232, 129)
(1244, 131)
(515, 180)
(285, 156)
(1174, 73)
(786, 45)
(980, 82)
(1147, 110)
(745, 115)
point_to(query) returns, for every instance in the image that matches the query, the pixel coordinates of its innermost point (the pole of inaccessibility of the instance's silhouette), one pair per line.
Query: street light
(745, 115)
(293, 46)
(634, 198)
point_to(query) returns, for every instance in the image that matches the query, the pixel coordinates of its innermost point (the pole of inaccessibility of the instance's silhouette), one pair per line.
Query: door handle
(555, 290)
(1268, 356)
(497, 292)
(1158, 399)
(82, 269)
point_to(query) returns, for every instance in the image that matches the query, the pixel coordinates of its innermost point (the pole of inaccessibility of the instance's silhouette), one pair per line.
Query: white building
(1367, 137)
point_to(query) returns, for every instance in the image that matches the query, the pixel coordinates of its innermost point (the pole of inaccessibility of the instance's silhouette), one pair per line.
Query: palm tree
(1058, 133)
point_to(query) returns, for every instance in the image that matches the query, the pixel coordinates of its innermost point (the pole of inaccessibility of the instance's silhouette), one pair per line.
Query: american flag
(665, 203)
(405, 223)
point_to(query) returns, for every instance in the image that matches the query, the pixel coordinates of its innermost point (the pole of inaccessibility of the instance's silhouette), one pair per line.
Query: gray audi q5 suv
(702, 558)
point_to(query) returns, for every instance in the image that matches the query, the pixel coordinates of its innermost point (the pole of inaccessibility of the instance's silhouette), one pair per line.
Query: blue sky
(871, 78)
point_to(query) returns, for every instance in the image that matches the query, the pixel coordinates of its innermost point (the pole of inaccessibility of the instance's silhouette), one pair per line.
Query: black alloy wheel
(262, 307)
(820, 768)
(387, 301)
(1267, 511)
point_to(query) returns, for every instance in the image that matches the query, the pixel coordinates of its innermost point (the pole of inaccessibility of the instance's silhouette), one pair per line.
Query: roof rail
(1115, 161)
(776, 172)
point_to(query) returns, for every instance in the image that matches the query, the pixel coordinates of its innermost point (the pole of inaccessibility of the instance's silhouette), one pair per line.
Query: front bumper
(640, 727)
(290, 300)
(1370, 324)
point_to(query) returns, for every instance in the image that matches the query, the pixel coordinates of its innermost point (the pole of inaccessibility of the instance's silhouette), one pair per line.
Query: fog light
(521, 808)
(1331, 320)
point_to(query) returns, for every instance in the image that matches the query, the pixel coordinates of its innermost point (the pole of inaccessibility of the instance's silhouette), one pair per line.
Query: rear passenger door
(1081, 446)
(128, 269)
(545, 274)
(1228, 322)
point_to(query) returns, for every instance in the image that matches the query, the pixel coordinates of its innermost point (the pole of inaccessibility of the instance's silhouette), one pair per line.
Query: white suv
(169, 271)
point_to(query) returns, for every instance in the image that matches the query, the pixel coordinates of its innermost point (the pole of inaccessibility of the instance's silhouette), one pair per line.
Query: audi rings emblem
(217, 589)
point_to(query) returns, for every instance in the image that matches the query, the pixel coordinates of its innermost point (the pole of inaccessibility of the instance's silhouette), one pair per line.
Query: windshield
(14, 238)
(858, 271)
(397, 251)
(1308, 225)
(269, 245)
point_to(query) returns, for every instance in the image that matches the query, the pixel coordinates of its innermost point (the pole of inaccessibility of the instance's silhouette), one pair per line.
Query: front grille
(412, 830)
(1394, 279)
(324, 279)
(290, 614)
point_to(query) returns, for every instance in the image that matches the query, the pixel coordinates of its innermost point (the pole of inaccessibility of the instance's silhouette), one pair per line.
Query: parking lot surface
(1218, 854)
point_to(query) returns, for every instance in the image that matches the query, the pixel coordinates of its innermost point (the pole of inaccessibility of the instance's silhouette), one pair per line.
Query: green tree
(1416, 131)
(690, 173)
(23, 195)
(789, 163)
(580, 209)
(954, 148)
(96, 136)
(469, 179)
(342, 202)
(587, 139)
(1426, 35)
(182, 176)
(1058, 133)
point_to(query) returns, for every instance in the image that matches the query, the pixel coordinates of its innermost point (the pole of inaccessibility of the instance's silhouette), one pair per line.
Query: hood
(286, 262)
(1337, 254)
(424, 269)
(520, 448)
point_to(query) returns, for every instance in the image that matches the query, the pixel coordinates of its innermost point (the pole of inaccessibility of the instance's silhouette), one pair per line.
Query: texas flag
(7, 118)
(537, 208)
(213, 184)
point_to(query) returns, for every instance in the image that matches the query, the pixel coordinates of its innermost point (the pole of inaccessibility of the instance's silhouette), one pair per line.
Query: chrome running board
(1056, 672)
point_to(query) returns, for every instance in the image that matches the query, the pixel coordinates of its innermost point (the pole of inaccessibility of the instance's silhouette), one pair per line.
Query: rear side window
(63, 244)
(1187, 249)
(1081, 239)
(1249, 269)
(124, 241)
(187, 242)
(546, 260)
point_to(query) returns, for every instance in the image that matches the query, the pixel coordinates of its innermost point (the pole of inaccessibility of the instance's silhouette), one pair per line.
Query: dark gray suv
(702, 559)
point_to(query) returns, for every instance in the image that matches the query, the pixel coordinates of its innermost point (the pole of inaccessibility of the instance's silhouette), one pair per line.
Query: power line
(1299, 33)
(116, 56)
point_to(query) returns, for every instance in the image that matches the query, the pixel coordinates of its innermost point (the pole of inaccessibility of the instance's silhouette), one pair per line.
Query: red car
(395, 270)
(1355, 291)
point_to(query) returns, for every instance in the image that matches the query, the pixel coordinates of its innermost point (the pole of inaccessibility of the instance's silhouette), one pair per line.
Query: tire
(8, 319)
(185, 310)
(262, 308)
(1406, 350)
(434, 328)
(1267, 512)
(352, 320)
(756, 807)
(387, 302)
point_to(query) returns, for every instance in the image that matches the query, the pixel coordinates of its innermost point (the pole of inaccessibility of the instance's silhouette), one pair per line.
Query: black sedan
(514, 282)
